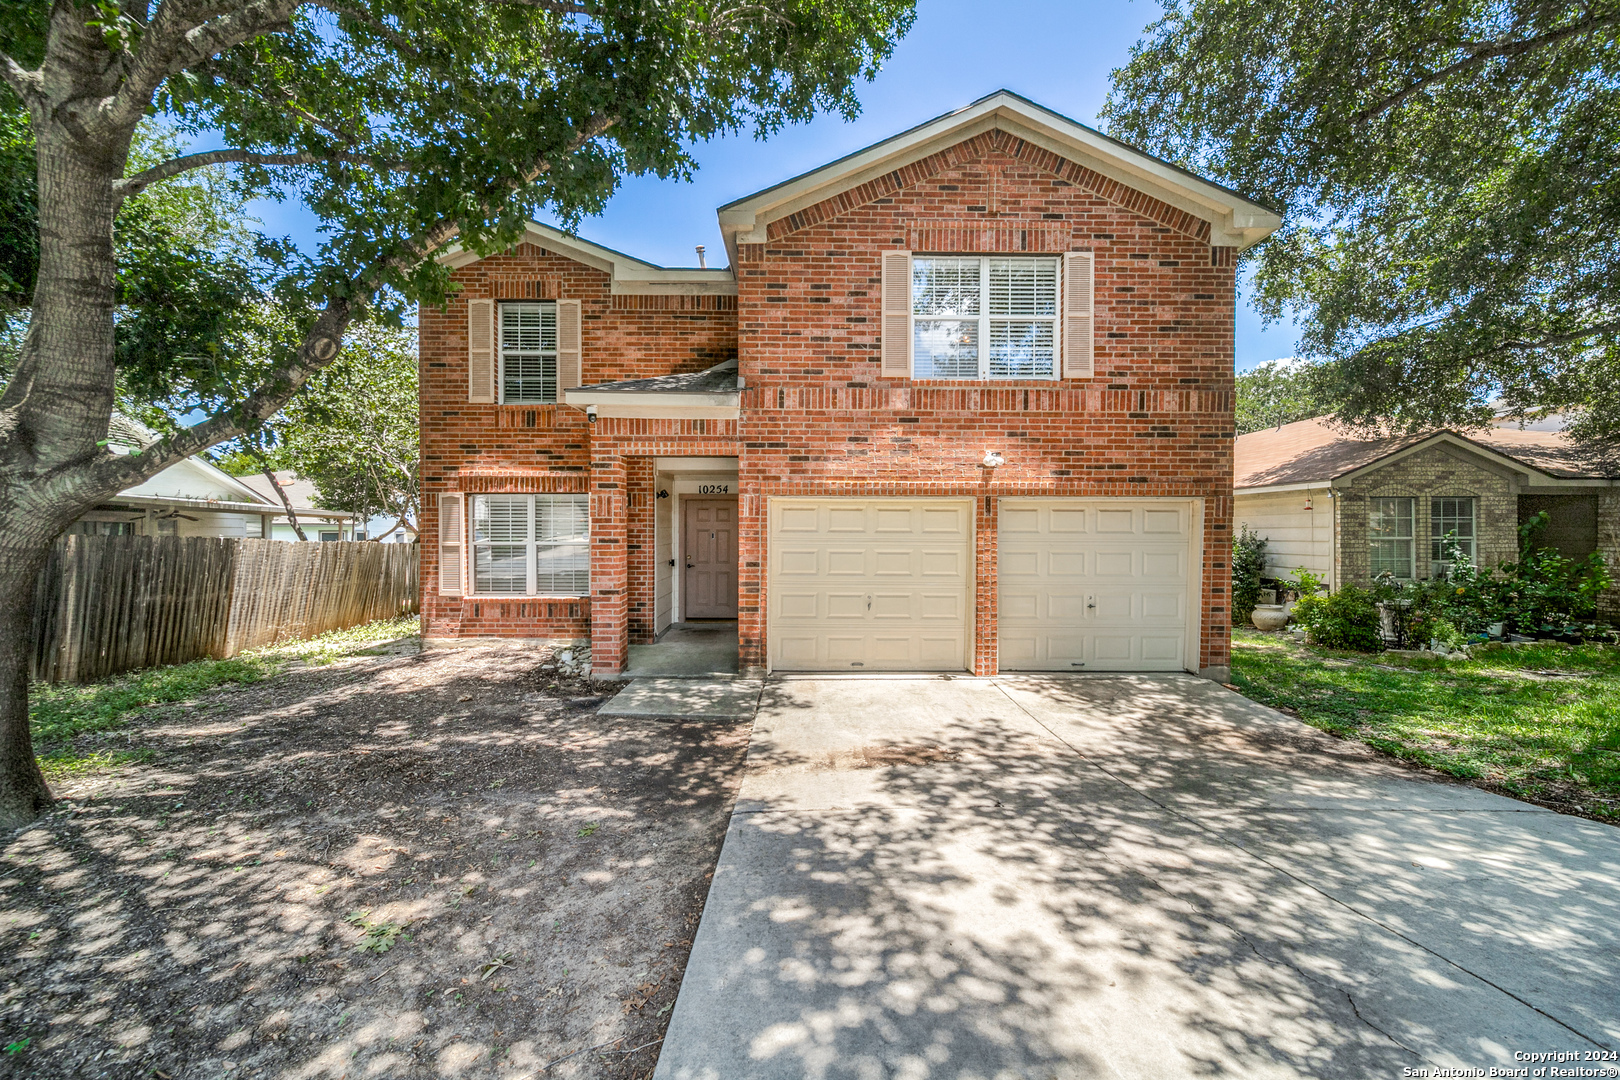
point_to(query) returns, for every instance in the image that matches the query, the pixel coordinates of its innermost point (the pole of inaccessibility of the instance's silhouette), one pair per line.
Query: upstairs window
(1390, 537)
(992, 317)
(528, 374)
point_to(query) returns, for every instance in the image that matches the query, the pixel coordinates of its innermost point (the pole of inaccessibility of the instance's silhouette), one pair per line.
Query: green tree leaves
(1451, 178)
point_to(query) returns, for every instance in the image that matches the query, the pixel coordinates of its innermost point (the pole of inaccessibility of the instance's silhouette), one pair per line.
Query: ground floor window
(1453, 517)
(531, 545)
(1390, 536)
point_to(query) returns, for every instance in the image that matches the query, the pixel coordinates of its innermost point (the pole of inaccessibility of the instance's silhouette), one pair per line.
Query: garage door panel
(1115, 563)
(798, 520)
(938, 652)
(796, 605)
(891, 581)
(1164, 521)
(1164, 564)
(1061, 563)
(1020, 521)
(1094, 585)
(846, 605)
(797, 562)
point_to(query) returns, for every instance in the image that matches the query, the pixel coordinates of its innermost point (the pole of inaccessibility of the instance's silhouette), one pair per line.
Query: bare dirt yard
(396, 865)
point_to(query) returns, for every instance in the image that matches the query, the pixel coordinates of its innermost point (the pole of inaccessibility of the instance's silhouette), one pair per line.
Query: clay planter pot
(1269, 617)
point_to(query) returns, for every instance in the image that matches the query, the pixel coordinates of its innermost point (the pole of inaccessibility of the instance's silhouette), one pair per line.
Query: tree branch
(24, 83)
(1478, 53)
(134, 185)
(1548, 342)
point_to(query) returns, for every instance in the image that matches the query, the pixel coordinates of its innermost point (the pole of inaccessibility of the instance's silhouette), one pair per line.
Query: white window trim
(500, 353)
(984, 317)
(1471, 543)
(531, 550)
(1410, 541)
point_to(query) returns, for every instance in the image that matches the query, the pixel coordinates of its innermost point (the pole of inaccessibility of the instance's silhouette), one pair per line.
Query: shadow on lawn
(537, 872)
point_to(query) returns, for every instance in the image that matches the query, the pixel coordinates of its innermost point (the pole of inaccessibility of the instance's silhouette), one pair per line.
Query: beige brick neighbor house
(1351, 508)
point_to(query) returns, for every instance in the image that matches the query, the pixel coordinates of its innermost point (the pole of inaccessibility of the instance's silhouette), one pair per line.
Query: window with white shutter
(450, 544)
(984, 317)
(569, 345)
(1079, 315)
(481, 351)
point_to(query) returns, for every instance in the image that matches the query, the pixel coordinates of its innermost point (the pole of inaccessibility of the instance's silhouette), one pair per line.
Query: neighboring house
(303, 495)
(962, 401)
(1351, 508)
(190, 498)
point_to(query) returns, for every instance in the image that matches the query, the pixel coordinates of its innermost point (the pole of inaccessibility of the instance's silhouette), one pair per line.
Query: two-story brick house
(961, 402)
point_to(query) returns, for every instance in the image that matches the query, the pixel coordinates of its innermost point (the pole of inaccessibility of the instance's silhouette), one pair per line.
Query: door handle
(689, 566)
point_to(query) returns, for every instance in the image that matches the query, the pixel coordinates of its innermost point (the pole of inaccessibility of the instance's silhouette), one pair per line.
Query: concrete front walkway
(1127, 876)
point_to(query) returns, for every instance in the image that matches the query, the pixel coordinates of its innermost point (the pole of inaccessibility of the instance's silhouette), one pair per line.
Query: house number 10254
(714, 489)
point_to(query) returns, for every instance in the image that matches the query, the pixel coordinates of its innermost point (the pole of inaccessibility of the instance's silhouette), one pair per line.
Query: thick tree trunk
(52, 414)
(23, 792)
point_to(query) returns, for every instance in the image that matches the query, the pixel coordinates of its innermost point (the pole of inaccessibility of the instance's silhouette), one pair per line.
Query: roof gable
(1117, 171)
(628, 275)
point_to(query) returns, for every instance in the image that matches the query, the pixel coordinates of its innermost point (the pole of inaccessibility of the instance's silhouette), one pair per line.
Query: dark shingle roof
(721, 378)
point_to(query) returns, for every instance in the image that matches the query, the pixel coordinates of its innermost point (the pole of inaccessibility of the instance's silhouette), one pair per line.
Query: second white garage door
(1095, 584)
(870, 584)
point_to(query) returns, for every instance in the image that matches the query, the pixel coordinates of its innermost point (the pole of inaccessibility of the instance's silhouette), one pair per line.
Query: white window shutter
(896, 329)
(451, 542)
(569, 347)
(481, 351)
(1078, 315)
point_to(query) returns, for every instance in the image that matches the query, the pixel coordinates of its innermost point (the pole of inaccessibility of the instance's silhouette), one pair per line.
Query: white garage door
(1094, 584)
(870, 584)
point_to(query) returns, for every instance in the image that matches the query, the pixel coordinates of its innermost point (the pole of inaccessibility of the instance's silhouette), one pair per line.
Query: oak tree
(1448, 174)
(405, 125)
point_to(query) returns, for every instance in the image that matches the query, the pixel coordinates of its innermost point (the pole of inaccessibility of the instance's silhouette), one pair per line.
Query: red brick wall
(1155, 421)
(539, 448)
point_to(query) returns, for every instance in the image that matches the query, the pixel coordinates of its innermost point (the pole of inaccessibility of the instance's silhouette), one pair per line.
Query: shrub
(1248, 563)
(1347, 619)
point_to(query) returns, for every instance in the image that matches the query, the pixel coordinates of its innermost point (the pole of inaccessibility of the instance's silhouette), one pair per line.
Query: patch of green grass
(68, 764)
(63, 712)
(1539, 721)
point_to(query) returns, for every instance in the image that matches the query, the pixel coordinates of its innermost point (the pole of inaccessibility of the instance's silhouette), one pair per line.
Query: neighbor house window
(528, 353)
(531, 545)
(984, 318)
(1451, 516)
(1390, 537)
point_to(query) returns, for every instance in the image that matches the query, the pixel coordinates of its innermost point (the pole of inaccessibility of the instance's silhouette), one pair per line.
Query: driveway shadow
(1077, 877)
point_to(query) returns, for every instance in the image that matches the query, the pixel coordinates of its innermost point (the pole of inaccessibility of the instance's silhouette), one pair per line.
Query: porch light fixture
(663, 493)
(993, 460)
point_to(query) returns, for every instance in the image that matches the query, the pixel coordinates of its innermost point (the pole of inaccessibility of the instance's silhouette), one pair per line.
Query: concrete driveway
(1128, 876)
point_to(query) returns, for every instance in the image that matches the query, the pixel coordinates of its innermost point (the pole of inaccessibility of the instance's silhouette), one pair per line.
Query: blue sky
(1054, 52)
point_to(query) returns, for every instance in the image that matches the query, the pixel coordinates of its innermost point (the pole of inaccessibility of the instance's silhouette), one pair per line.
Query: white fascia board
(220, 506)
(1282, 489)
(714, 405)
(627, 274)
(721, 465)
(1234, 221)
(1531, 476)
(228, 480)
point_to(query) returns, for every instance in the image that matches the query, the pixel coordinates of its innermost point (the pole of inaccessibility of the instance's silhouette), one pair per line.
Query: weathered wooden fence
(106, 604)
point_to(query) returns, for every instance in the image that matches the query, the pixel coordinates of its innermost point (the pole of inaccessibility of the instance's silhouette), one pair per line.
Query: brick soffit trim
(975, 147)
